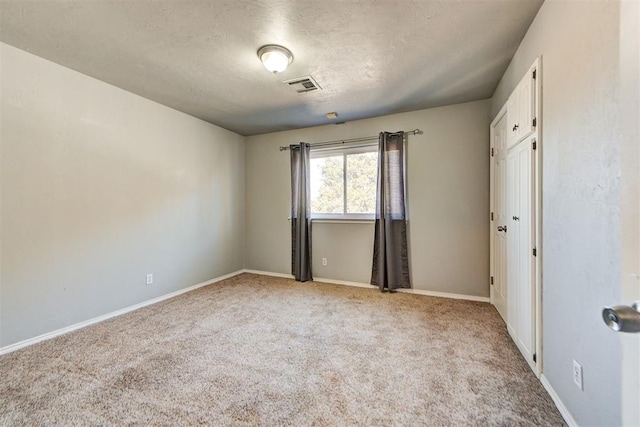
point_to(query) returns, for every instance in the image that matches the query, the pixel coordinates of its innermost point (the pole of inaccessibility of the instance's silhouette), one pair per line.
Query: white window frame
(343, 151)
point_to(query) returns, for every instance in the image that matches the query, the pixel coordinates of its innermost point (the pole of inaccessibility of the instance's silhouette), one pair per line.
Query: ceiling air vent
(303, 84)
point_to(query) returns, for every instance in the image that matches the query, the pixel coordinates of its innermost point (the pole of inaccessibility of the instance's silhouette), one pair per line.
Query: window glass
(362, 169)
(327, 190)
(343, 182)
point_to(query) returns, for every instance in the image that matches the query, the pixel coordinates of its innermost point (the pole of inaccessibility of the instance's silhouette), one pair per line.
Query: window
(343, 182)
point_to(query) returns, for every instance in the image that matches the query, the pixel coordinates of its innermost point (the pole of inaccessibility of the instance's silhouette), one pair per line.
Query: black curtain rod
(347, 141)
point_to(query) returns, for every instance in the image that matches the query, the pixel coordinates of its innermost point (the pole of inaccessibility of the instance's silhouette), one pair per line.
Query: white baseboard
(368, 286)
(571, 422)
(80, 325)
(445, 295)
(268, 273)
(344, 283)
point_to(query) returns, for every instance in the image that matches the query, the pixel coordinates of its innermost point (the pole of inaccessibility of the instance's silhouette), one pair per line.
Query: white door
(521, 107)
(526, 100)
(513, 116)
(513, 242)
(498, 216)
(520, 238)
(516, 289)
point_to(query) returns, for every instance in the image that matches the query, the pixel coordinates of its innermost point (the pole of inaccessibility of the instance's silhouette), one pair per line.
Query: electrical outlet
(324, 262)
(149, 279)
(577, 375)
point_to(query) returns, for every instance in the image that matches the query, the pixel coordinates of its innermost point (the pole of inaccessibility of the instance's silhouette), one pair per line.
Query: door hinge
(492, 152)
(535, 121)
(492, 280)
(534, 145)
(534, 358)
(491, 216)
(534, 74)
(535, 252)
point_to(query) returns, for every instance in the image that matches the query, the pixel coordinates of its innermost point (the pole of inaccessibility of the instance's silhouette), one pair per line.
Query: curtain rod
(346, 141)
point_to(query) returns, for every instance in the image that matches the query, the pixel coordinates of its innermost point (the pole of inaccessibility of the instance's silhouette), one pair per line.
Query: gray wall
(578, 42)
(448, 193)
(98, 188)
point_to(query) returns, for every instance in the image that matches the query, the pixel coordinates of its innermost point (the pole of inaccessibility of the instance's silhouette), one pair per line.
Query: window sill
(343, 220)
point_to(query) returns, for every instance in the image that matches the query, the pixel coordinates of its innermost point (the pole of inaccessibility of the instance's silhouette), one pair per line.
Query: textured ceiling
(371, 57)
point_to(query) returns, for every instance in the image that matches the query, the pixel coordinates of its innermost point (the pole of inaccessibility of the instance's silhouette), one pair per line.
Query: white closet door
(525, 106)
(499, 209)
(513, 243)
(520, 109)
(520, 260)
(523, 218)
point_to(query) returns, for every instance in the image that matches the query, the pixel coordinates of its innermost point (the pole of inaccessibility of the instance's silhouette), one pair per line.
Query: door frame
(538, 221)
(630, 203)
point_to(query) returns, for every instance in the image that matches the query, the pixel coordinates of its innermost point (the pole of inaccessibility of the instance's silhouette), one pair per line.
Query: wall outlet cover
(577, 375)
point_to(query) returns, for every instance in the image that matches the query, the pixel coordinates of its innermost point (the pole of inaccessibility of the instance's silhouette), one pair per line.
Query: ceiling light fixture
(275, 58)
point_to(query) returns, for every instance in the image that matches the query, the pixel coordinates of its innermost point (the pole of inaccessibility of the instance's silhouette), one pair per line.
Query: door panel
(513, 117)
(513, 243)
(522, 224)
(520, 237)
(525, 106)
(520, 109)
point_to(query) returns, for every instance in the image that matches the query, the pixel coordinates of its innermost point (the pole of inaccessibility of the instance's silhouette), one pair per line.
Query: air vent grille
(303, 84)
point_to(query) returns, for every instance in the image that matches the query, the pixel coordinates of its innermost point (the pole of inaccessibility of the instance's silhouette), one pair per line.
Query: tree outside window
(343, 183)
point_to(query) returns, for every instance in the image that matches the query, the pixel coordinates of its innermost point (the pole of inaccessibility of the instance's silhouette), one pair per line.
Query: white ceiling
(371, 57)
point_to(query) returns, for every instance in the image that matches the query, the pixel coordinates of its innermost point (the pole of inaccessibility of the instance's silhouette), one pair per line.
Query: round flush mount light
(275, 58)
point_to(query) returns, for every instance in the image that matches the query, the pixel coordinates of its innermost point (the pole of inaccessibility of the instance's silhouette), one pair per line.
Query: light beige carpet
(256, 350)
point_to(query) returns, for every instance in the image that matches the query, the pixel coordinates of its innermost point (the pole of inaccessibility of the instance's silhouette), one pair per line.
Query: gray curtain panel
(300, 213)
(390, 253)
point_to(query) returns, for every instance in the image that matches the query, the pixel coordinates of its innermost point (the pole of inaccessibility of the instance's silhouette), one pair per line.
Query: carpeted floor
(257, 350)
